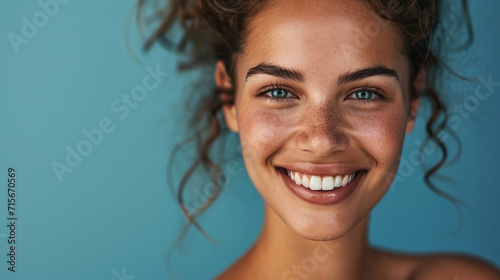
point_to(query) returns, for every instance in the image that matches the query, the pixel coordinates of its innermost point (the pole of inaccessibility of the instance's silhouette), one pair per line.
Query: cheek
(382, 136)
(262, 132)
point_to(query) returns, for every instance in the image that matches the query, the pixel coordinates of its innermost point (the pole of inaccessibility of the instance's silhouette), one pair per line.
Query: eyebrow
(367, 72)
(297, 76)
(277, 71)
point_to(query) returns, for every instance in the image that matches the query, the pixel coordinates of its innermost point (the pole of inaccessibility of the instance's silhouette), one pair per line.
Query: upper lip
(321, 169)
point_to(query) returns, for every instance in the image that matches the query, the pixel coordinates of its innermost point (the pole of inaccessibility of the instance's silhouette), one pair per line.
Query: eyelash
(378, 94)
(271, 87)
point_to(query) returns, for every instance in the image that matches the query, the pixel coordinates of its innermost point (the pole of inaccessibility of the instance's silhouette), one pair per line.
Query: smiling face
(322, 96)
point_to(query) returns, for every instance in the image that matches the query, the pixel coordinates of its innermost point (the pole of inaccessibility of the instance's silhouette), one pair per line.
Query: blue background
(113, 215)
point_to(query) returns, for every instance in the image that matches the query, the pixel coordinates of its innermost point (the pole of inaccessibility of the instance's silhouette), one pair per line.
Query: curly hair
(216, 30)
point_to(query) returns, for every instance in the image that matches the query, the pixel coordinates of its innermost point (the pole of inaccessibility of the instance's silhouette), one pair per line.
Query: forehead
(332, 34)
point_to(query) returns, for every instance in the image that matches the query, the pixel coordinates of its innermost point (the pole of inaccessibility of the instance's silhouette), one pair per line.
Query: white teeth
(298, 179)
(345, 180)
(338, 181)
(305, 181)
(315, 183)
(327, 183)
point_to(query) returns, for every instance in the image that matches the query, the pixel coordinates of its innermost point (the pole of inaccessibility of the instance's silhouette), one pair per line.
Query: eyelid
(262, 93)
(276, 86)
(378, 92)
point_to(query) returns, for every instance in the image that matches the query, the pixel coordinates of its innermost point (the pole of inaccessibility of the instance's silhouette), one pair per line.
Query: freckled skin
(320, 126)
(322, 123)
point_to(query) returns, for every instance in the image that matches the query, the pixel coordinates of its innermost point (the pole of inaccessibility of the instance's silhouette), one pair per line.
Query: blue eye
(364, 94)
(278, 93)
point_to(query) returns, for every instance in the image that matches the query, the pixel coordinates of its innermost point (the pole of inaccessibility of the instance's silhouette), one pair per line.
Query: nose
(323, 131)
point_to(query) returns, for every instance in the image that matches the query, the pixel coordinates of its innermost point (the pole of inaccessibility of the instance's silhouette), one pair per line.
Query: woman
(322, 94)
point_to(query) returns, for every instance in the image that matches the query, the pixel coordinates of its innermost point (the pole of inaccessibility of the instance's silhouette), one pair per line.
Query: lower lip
(322, 197)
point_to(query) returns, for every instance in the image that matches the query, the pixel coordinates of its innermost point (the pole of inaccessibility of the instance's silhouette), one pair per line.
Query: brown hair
(216, 29)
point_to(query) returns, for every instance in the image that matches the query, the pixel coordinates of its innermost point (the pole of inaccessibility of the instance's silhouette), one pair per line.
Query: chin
(323, 226)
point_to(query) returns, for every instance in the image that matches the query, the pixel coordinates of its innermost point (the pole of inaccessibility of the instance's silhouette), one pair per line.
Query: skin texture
(320, 121)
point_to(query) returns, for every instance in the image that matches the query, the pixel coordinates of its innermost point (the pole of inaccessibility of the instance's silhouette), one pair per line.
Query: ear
(223, 80)
(417, 86)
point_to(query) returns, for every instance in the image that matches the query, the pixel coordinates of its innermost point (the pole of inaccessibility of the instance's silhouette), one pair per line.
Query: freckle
(335, 122)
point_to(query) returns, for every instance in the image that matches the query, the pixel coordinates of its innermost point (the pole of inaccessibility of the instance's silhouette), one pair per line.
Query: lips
(325, 188)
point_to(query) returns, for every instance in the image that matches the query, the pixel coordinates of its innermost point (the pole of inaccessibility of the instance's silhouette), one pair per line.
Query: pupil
(280, 93)
(364, 94)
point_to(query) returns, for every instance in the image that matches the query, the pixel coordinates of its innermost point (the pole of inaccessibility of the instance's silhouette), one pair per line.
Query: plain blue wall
(113, 215)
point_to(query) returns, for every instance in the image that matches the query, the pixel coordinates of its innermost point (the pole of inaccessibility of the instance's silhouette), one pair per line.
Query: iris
(364, 94)
(279, 93)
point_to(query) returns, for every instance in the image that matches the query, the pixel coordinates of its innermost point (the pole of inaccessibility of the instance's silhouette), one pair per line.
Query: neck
(280, 253)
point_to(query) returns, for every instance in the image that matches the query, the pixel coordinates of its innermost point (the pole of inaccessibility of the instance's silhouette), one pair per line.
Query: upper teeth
(317, 183)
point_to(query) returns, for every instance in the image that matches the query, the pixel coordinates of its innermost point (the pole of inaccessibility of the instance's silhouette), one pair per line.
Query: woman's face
(322, 90)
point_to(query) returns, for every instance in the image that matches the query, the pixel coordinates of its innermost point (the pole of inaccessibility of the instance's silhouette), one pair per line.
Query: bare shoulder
(454, 267)
(397, 265)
